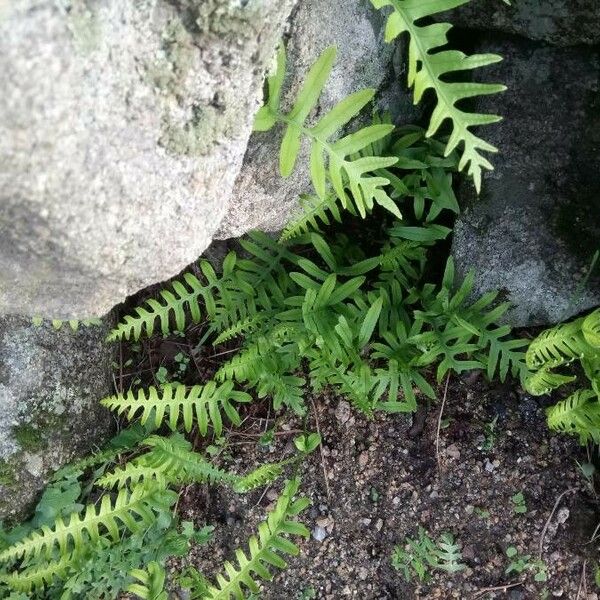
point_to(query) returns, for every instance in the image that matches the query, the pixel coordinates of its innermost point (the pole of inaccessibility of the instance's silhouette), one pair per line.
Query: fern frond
(591, 329)
(558, 345)
(175, 459)
(184, 294)
(543, 381)
(132, 474)
(315, 212)
(37, 576)
(151, 584)
(579, 415)
(133, 510)
(259, 477)
(427, 66)
(180, 403)
(334, 165)
(264, 549)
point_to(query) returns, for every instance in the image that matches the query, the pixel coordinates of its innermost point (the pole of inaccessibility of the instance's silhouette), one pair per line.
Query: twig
(498, 588)
(545, 529)
(582, 583)
(321, 450)
(439, 423)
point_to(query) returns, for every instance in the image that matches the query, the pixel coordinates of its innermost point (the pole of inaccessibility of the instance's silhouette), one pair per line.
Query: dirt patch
(385, 478)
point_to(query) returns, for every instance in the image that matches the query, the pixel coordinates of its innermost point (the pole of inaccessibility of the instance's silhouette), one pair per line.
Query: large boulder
(123, 126)
(50, 384)
(534, 230)
(261, 198)
(558, 22)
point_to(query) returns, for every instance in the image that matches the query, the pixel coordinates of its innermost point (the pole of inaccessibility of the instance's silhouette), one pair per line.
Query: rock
(558, 22)
(533, 232)
(123, 126)
(261, 198)
(50, 384)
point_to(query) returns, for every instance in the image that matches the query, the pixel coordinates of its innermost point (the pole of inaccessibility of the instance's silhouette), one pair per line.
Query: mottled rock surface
(558, 22)
(122, 128)
(261, 199)
(50, 384)
(536, 226)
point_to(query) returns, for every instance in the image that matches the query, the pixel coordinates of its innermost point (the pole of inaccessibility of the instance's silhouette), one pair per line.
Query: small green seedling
(307, 443)
(490, 434)
(422, 555)
(519, 504)
(522, 563)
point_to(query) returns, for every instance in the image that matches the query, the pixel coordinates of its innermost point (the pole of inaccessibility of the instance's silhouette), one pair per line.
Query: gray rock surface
(261, 198)
(122, 128)
(558, 22)
(536, 226)
(50, 384)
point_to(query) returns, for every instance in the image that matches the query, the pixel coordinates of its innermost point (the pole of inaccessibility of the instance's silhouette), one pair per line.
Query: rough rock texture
(558, 22)
(50, 384)
(122, 128)
(533, 232)
(261, 199)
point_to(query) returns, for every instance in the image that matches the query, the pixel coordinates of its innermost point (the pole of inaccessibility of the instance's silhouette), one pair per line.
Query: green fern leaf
(579, 415)
(428, 65)
(133, 473)
(181, 403)
(263, 475)
(264, 549)
(37, 576)
(344, 165)
(591, 329)
(174, 458)
(543, 381)
(133, 510)
(314, 209)
(558, 345)
(151, 584)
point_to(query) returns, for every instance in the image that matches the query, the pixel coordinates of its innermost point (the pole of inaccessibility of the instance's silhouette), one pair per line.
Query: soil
(377, 481)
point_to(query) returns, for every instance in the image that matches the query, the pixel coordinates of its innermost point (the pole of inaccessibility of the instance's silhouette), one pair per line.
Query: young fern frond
(132, 474)
(174, 457)
(183, 297)
(151, 584)
(590, 328)
(175, 403)
(259, 477)
(578, 415)
(37, 576)
(314, 213)
(558, 345)
(543, 381)
(336, 166)
(133, 510)
(264, 549)
(427, 66)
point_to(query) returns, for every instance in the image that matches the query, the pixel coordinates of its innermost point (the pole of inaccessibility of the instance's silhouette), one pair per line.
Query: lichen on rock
(50, 383)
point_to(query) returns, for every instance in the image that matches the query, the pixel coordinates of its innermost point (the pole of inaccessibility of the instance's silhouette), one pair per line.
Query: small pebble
(319, 533)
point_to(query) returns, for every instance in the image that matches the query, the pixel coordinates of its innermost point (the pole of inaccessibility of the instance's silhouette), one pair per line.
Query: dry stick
(498, 588)
(439, 424)
(556, 504)
(321, 450)
(582, 582)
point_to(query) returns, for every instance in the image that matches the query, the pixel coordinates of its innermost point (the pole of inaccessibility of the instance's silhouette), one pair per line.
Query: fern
(264, 549)
(578, 415)
(181, 403)
(557, 345)
(37, 576)
(133, 510)
(259, 477)
(543, 381)
(427, 66)
(334, 165)
(151, 584)
(590, 327)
